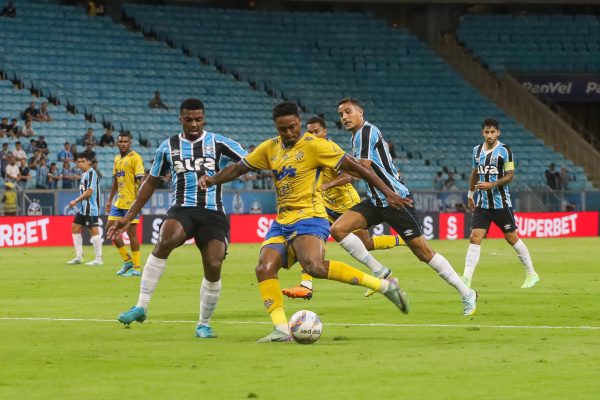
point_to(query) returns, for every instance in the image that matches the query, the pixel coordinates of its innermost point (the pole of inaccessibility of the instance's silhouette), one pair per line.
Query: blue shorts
(116, 213)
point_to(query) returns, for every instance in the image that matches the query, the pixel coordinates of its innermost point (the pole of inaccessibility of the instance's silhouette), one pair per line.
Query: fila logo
(196, 165)
(487, 169)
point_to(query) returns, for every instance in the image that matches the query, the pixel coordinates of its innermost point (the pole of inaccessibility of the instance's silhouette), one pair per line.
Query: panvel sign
(563, 87)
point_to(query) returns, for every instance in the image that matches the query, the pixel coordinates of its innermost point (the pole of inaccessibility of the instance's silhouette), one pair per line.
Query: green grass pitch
(522, 344)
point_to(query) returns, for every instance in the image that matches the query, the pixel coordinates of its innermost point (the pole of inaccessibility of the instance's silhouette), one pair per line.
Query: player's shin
(356, 248)
(153, 270)
(135, 258)
(122, 252)
(209, 297)
(270, 292)
(387, 242)
(78, 244)
(447, 273)
(342, 272)
(471, 260)
(97, 243)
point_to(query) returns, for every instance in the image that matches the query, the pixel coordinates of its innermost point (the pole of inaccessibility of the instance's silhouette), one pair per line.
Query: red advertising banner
(555, 224)
(452, 226)
(35, 231)
(250, 228)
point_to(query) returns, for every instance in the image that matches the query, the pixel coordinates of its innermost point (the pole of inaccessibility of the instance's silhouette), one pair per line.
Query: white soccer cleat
(530, 281)
(470, 303)
(76, 260)
(94, 263)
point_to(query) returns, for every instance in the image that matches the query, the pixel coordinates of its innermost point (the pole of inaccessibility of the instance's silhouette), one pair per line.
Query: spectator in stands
(31, 146)
(14, 128)
(565, 177)
(12, 170)
(27, 130)
(34, 160)
(42, 177)
(20, 155)
(65, 154)
(450, 182)
(74, 151)
(107, 139)
(9, 200)
(95, 166)
(54, 176)
(156, 102)
(4, 127)
(9, 10)
(42, 145)
(69, 175)
(392, 150)
(89, 152)
(91, 8)
(250, 180)
(25, 173)
(438, 181)
(31, 112)
(43, 114)
(5, 155)
(552, 177)
(88, 137)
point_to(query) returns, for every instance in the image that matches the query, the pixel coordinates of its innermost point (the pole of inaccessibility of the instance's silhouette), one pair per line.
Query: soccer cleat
(530, 281)
(205, 332)
(76, 260)
(275, 336)
(470, 303)
(133, 272)
(94, 263)
(396, 295)
(127, 265)
(371, 292)
(466, 280)
(134, 314)
(298, 292)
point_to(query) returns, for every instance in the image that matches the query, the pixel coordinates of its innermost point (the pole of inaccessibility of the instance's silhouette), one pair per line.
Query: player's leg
(96, 241)
(480, 223)
(172, 234)
(119, 245)
(508, 225)
(381, 242)
(77, 241)
(135, 268)
(310, 251)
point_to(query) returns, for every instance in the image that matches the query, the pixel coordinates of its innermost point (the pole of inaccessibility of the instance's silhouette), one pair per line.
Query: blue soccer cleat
(127, 265)
(133, 272)
(137, 314)
(205, 332)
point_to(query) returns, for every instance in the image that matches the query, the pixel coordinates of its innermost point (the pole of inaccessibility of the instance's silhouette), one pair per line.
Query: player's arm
(506, 179)
(111, 196)
(227, 174)
(350, 165)
(341, 179)
(85, 195)
(472, 182)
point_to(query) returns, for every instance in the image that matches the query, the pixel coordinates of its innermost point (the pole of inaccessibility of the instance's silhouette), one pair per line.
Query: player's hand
(72, 203)
(107, 208)
(325, 187)
(399, 202)
(471, 204)
(204, 182)
(117, 229)
(484, 185)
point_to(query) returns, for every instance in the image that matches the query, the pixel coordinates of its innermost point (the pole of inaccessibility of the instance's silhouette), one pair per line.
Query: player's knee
(266, 270)
(315, 268)
(338, 232)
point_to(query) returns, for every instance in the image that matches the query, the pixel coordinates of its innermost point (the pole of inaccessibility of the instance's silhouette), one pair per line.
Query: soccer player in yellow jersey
(301, 227)
(128, 173)
(339, 196)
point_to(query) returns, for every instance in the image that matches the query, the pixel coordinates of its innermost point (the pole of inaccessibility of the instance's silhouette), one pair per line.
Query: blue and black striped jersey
(492, 165)
(368, 143)
(187, 161)
(91, 205)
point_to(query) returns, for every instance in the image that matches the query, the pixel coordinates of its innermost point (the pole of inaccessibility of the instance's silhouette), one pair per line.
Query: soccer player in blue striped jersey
(369, 146)
(194, 212)
(87, 212)
(493, 170)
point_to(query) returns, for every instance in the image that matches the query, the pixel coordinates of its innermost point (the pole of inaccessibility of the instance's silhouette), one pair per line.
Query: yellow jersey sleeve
(328, 153)
(258, 159)
(115, 161)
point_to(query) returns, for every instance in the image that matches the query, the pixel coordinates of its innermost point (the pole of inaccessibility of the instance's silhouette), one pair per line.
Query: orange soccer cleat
(298, 292)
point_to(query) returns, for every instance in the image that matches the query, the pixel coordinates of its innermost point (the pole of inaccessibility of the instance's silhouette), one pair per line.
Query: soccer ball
(305, 327)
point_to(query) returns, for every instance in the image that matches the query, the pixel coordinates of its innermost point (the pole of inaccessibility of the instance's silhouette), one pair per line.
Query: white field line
(582, 327)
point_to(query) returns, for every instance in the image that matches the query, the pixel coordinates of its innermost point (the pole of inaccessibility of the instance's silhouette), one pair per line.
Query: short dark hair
(319, 120)
(490, 122)
(125, 134)
(351, 100)
(83, 155)
(284, 109)
(191, 104)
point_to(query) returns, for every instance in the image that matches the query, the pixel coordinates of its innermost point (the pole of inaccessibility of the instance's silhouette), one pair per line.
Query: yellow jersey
(297, 172)
(125, 171)
(339, 198)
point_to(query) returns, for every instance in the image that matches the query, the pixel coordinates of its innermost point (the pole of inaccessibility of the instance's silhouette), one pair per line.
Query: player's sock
(306, 280)
(342, 272)
(78, 244)
(523, 253)
(356, 248)
(447, 273)
(471, 260)
(209, 297)
(135, 258)
(153, 270)
(97, 243)
(270, 291)
(123, 252)
(387, 242)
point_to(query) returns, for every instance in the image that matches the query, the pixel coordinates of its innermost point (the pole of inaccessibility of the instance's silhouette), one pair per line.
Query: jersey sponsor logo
(199, 164)
(487, 169)
(120, 173)
(286, 171)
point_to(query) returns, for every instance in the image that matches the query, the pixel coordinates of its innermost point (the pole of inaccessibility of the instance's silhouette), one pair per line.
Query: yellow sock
(270, 291)
(123, 252)
(341, 272)
(135, 258)
(306, 277)
(387, 242)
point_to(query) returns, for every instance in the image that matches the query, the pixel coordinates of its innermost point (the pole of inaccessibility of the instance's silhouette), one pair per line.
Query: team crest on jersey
(175, 153)
(309, 138)
(208, 149)
(299, 155)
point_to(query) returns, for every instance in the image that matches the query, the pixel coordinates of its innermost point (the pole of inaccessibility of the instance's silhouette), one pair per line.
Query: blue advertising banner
(563, 87)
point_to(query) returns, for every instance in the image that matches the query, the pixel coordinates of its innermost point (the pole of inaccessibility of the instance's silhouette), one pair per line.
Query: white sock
(447, 273)
(523, 253)
(385, 284)
(471, 259)
(306, 284)
(153, 270)
(78, 244)
(209, 297)
(356, 248)
(97, 243)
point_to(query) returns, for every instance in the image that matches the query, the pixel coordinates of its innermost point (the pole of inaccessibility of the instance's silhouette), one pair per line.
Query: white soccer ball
(305, 327)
